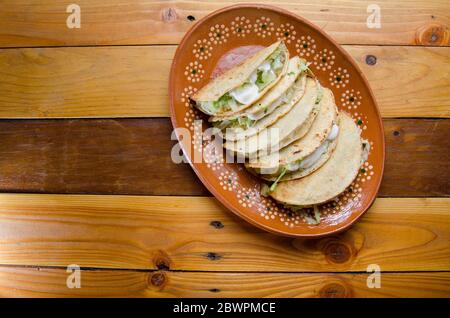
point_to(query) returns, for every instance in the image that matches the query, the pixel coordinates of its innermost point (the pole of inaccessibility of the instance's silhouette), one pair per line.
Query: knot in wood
(433, 34)
(158, 279)
(371, 59)
(169, 15)
(333, 290)
(213, 256)
(337, 252)
(161, 260)
(162, 264)
(217, 224)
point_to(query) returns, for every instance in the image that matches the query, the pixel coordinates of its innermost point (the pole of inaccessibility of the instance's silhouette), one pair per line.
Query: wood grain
(45, 282)
(132, 156)
(85, 82)
(133, 81)
(103, 156)
(37, 23)
(407, 81)
(140, 246)
(178, 233)
(417, 158)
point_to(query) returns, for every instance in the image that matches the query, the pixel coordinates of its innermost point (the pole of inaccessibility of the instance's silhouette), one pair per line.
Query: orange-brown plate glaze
(222, 39)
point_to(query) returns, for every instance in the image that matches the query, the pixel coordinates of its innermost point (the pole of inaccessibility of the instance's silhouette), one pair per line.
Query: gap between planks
(156, 270)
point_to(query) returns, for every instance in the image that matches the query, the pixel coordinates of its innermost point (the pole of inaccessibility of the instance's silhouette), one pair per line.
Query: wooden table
(86, 177)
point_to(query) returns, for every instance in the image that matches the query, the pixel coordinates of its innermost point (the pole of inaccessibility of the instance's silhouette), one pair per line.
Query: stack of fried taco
(297, 120)
(274, 112)
(307, 154)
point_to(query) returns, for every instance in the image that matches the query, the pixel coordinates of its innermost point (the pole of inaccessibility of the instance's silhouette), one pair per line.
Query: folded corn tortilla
(243, 85)
(336, 174)
(258, 110)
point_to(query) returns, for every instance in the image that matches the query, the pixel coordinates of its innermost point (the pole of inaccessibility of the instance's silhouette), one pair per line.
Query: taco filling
(245, 94)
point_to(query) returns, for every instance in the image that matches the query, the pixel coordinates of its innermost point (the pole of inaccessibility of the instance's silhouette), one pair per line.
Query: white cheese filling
(314, 157)
(333, 133)
(246, 93)
(249, 91)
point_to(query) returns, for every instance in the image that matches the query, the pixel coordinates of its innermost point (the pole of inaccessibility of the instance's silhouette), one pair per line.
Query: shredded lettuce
(265, 190)
(259, 80)
(275, 59)
(223, 101)
(304, 67)
(276, 63)
(315, 218)
(268, 77)
(264, 77)
(240, 122)
(295, 165)
(274, 185)
(245, 122)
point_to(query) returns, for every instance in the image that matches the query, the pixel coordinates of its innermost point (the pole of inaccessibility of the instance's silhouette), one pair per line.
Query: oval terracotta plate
(221, 40)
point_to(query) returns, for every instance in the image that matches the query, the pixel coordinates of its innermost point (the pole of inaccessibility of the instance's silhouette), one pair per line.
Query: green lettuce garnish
(240, 122)
(222, 102)
(304, 67)
(315, 218)
(274, 185)
(276, 63)
(245, 122)
(264, 78)
(265, 190)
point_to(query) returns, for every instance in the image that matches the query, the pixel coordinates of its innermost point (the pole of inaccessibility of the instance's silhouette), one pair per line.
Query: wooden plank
(102, 156)
(37, 23)
(132, 156)
(177, 233)
(407, 81)
(133, 81)
(85, 82)
(416, 162)
(45, 282)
